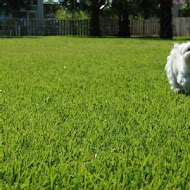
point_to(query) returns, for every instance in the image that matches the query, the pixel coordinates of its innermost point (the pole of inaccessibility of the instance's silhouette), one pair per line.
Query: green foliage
(73, 5)
(63, 13)
(136, 9)
(185, 10)
(49, 1)
(91, 113)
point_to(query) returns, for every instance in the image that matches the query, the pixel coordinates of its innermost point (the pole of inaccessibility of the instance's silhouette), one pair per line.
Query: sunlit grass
(91, 113)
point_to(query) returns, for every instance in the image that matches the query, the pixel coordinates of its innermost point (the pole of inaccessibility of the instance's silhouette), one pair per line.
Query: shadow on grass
(182, 93)
(180, 38)
(17, 37)
(175, 38)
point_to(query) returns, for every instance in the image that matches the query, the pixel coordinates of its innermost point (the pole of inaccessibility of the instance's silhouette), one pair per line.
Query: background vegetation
(64, 13)
(185, 10)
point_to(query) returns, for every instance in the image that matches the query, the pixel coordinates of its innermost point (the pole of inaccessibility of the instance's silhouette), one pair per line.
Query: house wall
(3, 16)
(176, 10)
(40, 9)
(37, 11)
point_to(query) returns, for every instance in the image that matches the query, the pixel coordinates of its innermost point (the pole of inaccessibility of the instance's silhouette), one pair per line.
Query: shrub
(63, 13)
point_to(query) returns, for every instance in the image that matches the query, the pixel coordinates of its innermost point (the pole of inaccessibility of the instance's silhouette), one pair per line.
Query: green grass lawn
(91, 113)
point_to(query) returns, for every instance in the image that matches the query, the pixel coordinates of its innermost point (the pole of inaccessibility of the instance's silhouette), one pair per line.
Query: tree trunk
(94, 20)
(166, 31)
(146, 4)
(124, 23)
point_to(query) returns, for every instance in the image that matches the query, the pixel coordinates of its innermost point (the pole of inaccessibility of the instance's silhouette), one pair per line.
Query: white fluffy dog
(178, 68)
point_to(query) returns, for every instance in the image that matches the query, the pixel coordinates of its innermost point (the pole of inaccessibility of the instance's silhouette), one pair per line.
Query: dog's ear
(176, 45)
(178, 48)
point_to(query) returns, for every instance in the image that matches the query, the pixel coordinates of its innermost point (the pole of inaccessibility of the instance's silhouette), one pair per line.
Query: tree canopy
(14, 6)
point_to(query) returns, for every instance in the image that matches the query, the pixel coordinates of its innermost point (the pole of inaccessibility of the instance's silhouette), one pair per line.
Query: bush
(185, 10)
(63, 13)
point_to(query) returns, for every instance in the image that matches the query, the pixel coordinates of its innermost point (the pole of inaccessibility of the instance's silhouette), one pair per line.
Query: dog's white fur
(178, 68)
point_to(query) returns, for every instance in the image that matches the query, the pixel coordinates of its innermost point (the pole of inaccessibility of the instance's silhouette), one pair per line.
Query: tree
(14, 6)
(124, 23)
(49, 1)
(90, 6)
(185, 10)
(148, 8)
(94, 17)
(166, 31)
(122, 8)
(74, 5)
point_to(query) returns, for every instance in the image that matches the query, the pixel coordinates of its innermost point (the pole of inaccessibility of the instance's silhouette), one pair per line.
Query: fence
(151, 27)
(181, 26)
(145, 27)
(16, 27)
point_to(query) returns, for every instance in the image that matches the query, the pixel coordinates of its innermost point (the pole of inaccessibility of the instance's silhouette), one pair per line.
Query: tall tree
(166, 31)
(92, 7)
(124, 23)
(147, 7)
(122, 8)
(94, 17)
